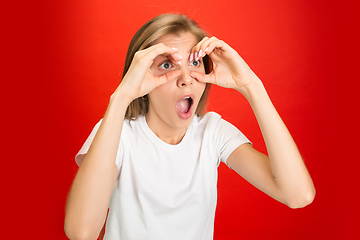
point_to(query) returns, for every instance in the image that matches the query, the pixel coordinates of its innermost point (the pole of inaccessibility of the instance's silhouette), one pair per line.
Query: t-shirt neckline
(155, 139)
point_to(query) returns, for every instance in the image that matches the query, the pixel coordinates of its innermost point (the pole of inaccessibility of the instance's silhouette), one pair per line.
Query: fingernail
(191, 56)
(180, 56)
(206, 49)
(179, 62)
(175, 48)
(200, 53)
(192, 76)
(196, 56)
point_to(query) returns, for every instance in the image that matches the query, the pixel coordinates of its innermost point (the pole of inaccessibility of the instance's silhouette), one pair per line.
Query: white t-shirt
(167, 191)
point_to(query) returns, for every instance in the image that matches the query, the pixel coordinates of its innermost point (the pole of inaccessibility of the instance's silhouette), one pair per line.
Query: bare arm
(91, 190)
(283, 174)
(93, 185)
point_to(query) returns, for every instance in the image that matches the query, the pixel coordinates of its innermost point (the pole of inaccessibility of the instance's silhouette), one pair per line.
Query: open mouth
(184, 105)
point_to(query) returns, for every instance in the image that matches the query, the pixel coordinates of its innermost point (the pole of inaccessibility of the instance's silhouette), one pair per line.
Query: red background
(62, 61)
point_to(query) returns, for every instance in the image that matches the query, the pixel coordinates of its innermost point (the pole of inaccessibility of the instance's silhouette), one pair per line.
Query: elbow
(73, 234)
(78, 233)
(305, 199)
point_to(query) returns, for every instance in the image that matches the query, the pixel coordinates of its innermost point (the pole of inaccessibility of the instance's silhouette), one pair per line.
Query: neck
(164, 131)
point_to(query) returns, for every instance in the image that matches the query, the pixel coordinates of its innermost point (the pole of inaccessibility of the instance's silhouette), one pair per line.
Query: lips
(184, 106)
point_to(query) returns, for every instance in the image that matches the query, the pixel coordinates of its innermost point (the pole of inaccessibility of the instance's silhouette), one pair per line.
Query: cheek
(159, 97)
(200, 90)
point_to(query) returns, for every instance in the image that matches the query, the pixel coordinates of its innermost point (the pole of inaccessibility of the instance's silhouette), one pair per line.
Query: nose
(184, 79)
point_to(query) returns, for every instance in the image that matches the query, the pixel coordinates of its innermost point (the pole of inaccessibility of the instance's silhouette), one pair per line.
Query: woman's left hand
(229, 69)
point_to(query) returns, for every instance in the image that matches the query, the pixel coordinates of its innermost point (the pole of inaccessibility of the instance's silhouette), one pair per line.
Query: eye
(166, 65)
(195, 63)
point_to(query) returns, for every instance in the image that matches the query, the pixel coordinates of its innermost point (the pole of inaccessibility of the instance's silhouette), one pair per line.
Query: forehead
(181, 40)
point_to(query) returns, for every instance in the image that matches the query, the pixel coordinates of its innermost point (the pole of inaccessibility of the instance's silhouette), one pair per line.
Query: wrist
(253, 89)
(121, 96)
(119, 102)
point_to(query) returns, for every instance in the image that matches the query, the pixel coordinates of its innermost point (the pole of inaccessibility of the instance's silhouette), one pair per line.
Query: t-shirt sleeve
(228, 138)
(84, 149)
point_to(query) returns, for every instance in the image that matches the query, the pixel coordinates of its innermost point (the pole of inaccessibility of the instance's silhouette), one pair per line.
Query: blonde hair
(146, 36)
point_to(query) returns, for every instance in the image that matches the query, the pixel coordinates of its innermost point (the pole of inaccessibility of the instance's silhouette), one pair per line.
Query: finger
(167, 77)
(175, 58)
(152, 52)
(201, 77)
(197, 51)
(214, 44)
(197, 46)
(169, 52)
(203, 47)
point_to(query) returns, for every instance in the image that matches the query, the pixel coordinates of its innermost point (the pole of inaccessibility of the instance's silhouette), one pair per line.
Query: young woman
(153, 158)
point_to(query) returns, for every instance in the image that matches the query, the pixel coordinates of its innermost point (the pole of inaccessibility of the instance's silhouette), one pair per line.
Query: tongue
(183, 105)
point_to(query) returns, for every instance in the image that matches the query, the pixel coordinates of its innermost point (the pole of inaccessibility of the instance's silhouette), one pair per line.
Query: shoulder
(219, 128)
(209, 117)
(133, 128)
(207, 124)
(212, 120)
(133, 124)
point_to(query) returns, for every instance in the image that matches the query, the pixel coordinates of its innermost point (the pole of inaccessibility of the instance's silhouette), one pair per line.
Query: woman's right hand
(139, 80)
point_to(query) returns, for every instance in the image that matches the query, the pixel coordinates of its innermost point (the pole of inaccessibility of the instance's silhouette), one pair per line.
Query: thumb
(168, 77)
(172, 75)
(201, 77)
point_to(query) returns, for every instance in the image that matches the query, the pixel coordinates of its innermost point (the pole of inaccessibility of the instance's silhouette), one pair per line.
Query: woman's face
(175, 102)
